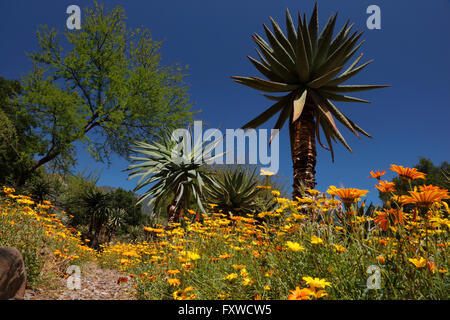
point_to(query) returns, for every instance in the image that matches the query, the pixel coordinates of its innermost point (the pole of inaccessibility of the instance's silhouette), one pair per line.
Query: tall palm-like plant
(168, 170)
(308, 68)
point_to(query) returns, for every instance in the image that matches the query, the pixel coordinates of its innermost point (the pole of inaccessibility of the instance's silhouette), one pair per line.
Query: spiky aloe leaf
(299, 104)
(162, 174)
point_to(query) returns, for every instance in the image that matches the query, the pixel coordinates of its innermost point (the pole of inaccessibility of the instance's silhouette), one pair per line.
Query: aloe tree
(168, 170)
(308, 68)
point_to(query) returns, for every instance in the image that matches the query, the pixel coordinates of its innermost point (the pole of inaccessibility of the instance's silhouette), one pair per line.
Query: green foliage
(106, 88)
(127, 201)
(17, 142)
(38, 233)
(235, 191)
(435, 175)
(97, 204)
(75, 187)
(169, 168)
(307, 66)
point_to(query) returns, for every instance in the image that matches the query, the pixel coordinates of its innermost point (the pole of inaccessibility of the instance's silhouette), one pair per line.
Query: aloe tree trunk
(303, 150)
(173, 213)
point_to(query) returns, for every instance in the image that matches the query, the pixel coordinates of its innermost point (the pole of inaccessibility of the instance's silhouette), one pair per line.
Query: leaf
(266, 115)
(328, 135)
(322, 80)
(358, 128)
(292, 35)
(339, 37)
(340, 116)
(301, 57)
(353, 88)
(282, 38)
(334, 132)
(273, 63)
(284, 115)
(337, 97)
(264, 85)
(279, 51)
(348, 74)
(265, 70)
(298, 103)
(318, 132)
(348, 57)
(313, 27)
(306, 38)
(354, 63)
(324, 41)
(323, 109)
(337, 57)
(273, 98)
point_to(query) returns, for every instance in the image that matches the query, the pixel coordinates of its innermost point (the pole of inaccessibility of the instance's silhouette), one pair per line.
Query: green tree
(306, 66)
(72, 193)
(127, 200)
(17, 141)
(104, 88)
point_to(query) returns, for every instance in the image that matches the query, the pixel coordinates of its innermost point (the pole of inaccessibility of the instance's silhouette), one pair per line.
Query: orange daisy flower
(300, 294)
(385, 186)
(350, 195)
(377, 174)
(382, 219)
(407, 173)
(173, 282)
(431, 188)
(426, 198)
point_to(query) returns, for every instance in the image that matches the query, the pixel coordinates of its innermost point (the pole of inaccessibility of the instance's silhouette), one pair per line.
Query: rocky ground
(96, 284)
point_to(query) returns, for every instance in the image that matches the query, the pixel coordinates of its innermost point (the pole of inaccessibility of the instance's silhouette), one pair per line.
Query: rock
(12, 274)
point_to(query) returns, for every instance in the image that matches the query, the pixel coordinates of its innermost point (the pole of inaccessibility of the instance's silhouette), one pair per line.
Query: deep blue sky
(411, 53)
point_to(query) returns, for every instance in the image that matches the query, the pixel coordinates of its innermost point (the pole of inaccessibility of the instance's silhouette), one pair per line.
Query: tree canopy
(103, 86)
(18, 142)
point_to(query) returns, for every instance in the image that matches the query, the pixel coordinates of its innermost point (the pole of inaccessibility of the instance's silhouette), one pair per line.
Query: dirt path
(96, 284)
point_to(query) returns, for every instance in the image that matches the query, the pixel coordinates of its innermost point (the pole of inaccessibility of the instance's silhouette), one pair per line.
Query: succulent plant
(168, 170)
(308, 68)
(235, 191)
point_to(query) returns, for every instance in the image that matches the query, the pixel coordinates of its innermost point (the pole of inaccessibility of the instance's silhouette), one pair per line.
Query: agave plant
(235, 191)
(169, 170)
(308, 68)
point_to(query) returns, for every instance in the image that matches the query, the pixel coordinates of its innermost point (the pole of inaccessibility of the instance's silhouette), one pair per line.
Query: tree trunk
(27, 173)
(53, 152)
(172, 213)
(303, 150)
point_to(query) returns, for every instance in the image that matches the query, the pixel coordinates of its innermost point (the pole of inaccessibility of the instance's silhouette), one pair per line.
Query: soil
(96, 284)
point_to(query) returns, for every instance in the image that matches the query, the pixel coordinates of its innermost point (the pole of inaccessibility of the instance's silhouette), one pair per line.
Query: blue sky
(411, 52)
